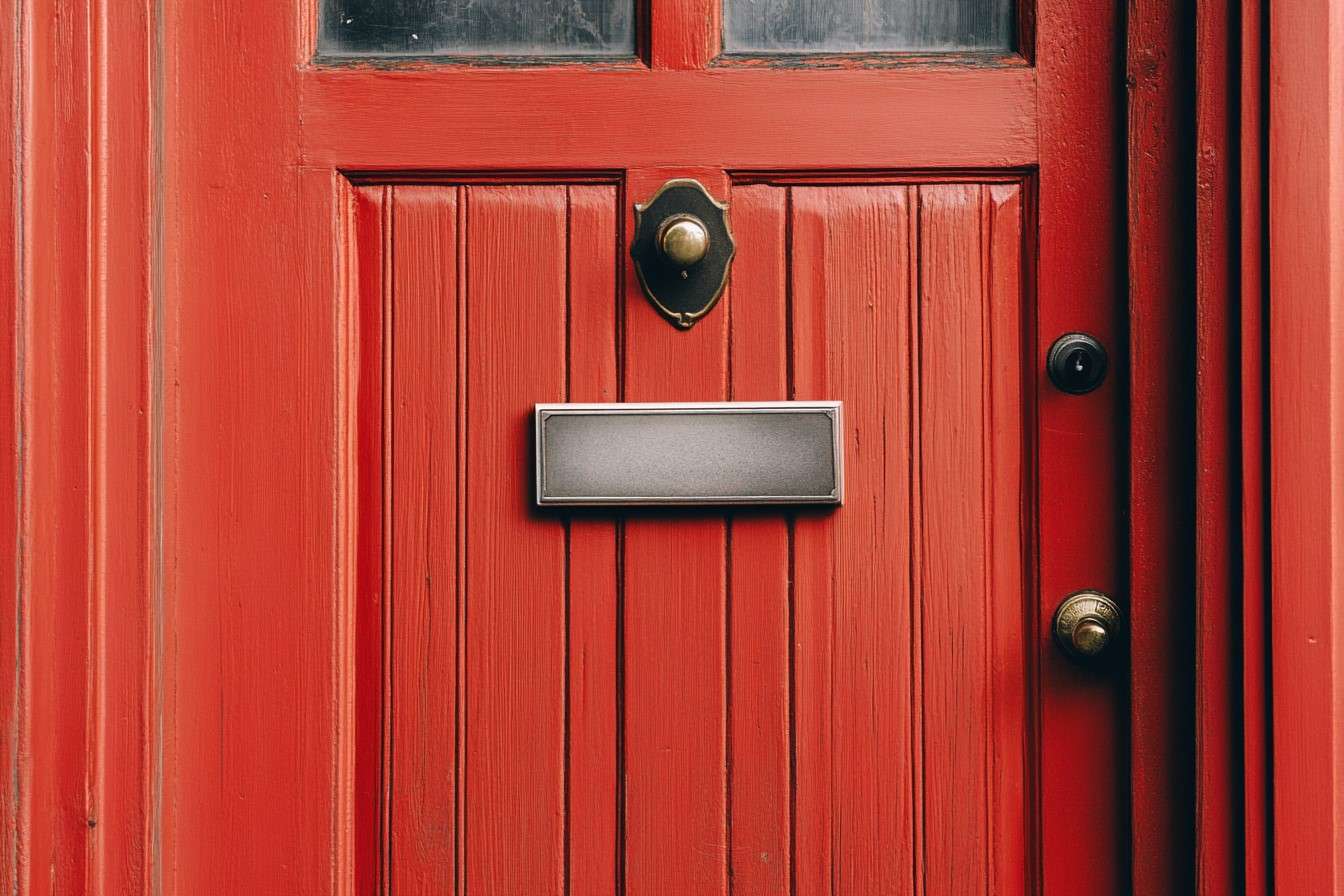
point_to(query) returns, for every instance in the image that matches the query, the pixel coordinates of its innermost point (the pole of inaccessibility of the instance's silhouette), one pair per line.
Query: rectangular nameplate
(722, 453)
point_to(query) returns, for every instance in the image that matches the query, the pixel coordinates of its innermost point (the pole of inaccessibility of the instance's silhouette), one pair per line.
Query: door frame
(82, 330)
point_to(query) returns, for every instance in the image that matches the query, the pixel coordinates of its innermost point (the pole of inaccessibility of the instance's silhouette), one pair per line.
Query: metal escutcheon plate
(682, 292)
(1087, 612)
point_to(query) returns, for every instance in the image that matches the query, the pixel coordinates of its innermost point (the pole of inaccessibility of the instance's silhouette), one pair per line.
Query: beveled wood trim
(1306, 420)
(79, 650)
(1161, 438)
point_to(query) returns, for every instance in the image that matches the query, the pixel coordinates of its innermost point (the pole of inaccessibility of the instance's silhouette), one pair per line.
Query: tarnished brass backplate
(683, 295)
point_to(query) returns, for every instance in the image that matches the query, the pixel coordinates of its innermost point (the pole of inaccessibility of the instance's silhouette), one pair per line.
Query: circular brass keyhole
(683, 240)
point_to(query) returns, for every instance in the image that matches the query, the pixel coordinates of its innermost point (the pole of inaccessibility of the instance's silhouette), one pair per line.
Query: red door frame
(1306, 440)
(83, 262)
(78, 269)
(1269, 809)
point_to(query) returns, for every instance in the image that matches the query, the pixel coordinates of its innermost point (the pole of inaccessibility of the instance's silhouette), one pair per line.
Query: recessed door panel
(552, 700)
(381, 668)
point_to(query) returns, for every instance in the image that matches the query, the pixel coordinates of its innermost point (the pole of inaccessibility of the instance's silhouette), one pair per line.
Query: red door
(393, 230)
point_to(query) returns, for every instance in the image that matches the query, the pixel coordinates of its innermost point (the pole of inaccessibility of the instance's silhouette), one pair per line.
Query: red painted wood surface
(357, 661)
(837, 730)
(1233, 810)
(593, 585)
(1161, 463)
(1077, 272)
(760, 615)
(1218, 806)
(80, 696)
(1254, 468)
(1306, 422)
(13, 711)
(674, 584)
(962, 117)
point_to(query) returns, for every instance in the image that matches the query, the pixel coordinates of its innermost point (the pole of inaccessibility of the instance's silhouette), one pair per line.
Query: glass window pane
(477, 28)
(846, 26)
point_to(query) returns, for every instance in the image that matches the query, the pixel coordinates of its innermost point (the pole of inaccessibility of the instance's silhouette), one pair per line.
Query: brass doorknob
(683, 240)
(1087, 623)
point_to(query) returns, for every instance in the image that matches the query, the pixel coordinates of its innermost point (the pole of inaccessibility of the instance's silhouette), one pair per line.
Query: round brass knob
(1086, 623)
(683, 240)
(1090, 638)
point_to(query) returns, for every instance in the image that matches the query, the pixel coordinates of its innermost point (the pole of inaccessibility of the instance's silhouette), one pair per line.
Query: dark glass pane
(477, 27)
(845, 26)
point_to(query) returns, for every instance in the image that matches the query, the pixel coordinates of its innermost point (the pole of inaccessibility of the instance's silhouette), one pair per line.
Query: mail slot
(726, 453)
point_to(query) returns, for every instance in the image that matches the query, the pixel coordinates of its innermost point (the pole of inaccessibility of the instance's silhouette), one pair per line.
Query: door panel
(384, 671)
(836, 701)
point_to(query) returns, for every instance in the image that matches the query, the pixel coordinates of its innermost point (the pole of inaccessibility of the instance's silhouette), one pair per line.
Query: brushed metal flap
(722, 453)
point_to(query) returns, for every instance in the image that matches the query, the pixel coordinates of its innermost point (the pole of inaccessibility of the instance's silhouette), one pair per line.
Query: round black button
(1076, 363)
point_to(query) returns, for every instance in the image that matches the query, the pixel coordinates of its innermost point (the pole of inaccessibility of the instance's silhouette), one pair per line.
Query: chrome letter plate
(728, 453)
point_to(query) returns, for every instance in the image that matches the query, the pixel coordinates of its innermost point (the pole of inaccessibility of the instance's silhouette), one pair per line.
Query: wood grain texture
(238, 725)
(858, 720)
(367, 647)
(422, 597)
(895, 718)
(13, 709)
(1012, 804)
(78, 643)
(1306, 420)
(515, 284)
(1161, 440)
(675, 571)
(52, 489)
(1254, 464)
(952, 544)
(1078, 273)
(841, 680)
(467, 693)
(57, 569)
(760, 612)
(684, 34)
(592, 588)
(249, 482)
(1219, 815)
(846, 119)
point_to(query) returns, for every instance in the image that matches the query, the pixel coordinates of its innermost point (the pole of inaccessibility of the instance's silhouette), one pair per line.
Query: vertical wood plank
(953, 427)
(249, 481)
(515, 563)
(812, 331)
(1078, 254)
(857, 725)
(373, 287)
(1218, 780)
(1306, 451)
(592, 588)
(685, 34)
(13, 709)
(56, 665)
(1009, 546)
(1250, 190)
(675, 802)
(422, 623)
(760, 742)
